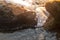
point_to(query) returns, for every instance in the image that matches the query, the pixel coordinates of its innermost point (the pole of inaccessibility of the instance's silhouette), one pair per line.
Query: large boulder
(14, 17)
(53, 21)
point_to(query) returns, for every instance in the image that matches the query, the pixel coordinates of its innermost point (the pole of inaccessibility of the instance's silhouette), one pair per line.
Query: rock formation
(53, 21)
(14, 17)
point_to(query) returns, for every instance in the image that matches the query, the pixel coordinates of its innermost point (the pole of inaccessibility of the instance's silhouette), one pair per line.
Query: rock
(14, 17)
(53, 21)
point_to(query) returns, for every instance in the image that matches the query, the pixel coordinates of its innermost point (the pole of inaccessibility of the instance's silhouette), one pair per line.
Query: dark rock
(14, 18)
(53, 21)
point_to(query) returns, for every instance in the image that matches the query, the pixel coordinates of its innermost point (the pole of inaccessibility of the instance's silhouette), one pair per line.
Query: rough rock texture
(29, 34)
(14, 17)
(54, 9)
(53, 21)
